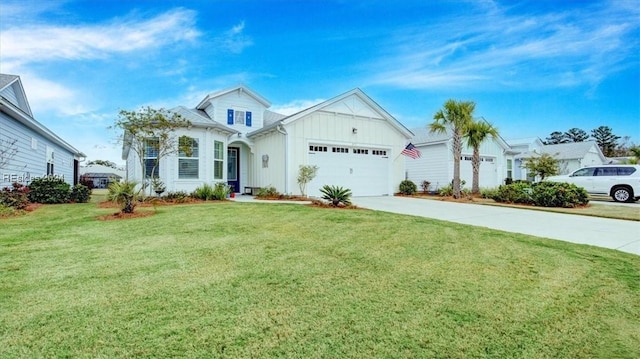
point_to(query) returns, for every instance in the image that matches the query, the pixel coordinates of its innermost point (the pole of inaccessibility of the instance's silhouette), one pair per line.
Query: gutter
(281, 129)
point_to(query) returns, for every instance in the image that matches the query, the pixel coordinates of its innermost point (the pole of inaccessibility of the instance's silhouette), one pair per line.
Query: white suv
(621, 182)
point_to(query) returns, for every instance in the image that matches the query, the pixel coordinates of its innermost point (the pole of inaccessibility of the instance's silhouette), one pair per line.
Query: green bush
(221, 190)
(488, 192)
(267, 192)
(554, 194)
(124, 194)
(408, 187)
(336, 195)
(80, 194)
(177, 197)
(517, 192)
(14, 196)
(218, 191)
(49, 189)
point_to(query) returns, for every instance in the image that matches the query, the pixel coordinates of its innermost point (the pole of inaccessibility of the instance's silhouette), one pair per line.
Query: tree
(477, 132)
(544, 165)
(576, 135)
(606, 140)
(305, 175)
(555, 138)
(456, 115)
(149, 133)
(103, 163)
(8, 150)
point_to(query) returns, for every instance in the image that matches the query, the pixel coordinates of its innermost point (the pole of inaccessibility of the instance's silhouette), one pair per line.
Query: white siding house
(28, 148)
(354, 142)
(571, 156)
(435, 164)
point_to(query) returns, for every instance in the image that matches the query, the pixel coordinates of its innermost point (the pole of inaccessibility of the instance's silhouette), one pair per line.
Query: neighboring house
(101, 176)
(235, 139)
(571, 156)
(436, 161)
(520, 146)
(28, 148)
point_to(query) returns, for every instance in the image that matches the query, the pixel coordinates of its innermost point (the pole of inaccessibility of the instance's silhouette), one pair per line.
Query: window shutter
(229, 117)
(248, 120)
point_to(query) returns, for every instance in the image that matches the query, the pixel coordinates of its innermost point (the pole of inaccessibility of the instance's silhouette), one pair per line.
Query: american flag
(411, 151)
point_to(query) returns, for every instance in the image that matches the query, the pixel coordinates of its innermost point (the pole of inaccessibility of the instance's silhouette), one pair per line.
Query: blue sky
(532, 67)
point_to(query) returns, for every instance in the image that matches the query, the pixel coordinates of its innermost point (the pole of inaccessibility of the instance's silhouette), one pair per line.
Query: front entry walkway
(602, 232)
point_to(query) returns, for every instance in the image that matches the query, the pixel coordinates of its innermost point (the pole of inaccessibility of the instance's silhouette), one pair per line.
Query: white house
(435, 164)
(236, 139)
(571, 156)
(27, 148)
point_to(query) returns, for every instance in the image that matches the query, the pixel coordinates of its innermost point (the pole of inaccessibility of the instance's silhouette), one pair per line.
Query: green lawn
(283, 280)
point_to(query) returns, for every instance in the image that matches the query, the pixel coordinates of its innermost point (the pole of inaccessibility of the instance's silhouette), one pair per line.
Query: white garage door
(488, 173)
(365, 171)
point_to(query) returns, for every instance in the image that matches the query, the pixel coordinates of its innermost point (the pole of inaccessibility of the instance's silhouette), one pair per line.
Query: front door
(233, 168)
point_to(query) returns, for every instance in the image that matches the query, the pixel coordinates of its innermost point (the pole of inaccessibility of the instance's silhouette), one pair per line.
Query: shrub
(124, 194)
(408, 187)
(221, 190)
(7, 211)
(177, 197)
(488, 192)
(447, 191)
(305, 175)
(87, 181)
(80, 194)
(49, 189)
(267, 192)
(218, 191)
(336, 195)
(559, 194)
(14, 196)
(425, 186)
(517, 192)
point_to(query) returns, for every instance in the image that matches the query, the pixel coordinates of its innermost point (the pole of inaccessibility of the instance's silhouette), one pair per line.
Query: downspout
(280, 129)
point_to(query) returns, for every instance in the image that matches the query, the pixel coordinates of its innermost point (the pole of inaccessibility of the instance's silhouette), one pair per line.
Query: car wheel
(622, 194)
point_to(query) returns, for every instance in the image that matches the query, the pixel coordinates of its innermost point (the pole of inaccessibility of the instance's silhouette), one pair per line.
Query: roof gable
(572, 150)
(354, 102)
(242, 89)
(12, 90)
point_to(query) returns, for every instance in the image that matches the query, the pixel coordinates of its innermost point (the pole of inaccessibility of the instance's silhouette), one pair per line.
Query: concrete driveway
(602, 232)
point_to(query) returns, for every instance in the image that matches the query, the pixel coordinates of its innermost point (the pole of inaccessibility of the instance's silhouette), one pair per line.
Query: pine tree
(607, 141)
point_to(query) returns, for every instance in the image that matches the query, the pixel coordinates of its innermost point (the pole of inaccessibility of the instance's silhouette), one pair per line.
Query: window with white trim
(318, 148)
(340, 150)
(218, 159)
(188, 158)
(151, 165)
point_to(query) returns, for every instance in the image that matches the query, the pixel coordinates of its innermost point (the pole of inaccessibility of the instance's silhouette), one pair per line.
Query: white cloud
(580, 46)
(27, 43)
(234, 40)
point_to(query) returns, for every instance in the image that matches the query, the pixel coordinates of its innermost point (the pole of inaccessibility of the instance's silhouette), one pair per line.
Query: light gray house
(236, 139)
(571, 156)
(27, 148)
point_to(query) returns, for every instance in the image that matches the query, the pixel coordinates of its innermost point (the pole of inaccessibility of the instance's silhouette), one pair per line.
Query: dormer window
(238, 117)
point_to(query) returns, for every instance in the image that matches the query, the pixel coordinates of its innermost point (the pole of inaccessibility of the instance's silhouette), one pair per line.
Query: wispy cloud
(508, 47)
(234, 40)
(294, 106)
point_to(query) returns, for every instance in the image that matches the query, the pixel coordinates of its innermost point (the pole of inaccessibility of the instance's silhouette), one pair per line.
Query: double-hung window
(151, 164)
(188, 158)
(218, 159)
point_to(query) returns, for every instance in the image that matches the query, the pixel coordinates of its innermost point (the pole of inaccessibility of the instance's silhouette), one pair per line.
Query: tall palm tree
(455, 115)
(477, 132)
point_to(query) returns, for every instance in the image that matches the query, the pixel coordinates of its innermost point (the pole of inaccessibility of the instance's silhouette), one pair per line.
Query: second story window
(239, 117)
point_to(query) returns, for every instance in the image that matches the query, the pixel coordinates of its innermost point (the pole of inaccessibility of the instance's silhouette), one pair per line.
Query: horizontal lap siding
(432, 166)
(29, 160)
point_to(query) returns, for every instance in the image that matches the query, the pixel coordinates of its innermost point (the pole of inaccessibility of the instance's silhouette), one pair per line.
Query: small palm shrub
(408, 187)
(336, 195)
(14, 196)
(220, 191)
(267, 192)
(553, 194)
(204, 192)
(80, 194)
(124, 194)
(49, 189)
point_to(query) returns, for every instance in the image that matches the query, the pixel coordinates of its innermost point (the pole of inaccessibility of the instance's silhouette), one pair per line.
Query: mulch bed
(120, 215)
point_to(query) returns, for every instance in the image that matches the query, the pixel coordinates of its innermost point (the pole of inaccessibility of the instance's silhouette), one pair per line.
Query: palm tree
(456, 115)
(477, 132)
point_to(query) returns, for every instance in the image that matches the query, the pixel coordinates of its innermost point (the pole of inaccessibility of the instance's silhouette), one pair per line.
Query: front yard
(282, 280)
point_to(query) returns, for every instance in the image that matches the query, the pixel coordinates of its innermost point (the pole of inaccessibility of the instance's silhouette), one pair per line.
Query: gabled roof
(26, 118)
(355, 92)
(572, 150)
(200, 118)
(7, 80)
(423, 136)
(240, 88)
(269, 117)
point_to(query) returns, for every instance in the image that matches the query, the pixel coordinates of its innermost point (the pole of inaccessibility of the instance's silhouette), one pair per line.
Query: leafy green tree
(305, 175)
(543, 165)
(607, 141)
(455, 115)
(576, 135)
(477, 132)
(556, 137)
(103, 163)
(150, 131)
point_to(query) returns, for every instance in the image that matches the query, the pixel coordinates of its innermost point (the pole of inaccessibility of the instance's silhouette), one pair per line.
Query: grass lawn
(282, 280)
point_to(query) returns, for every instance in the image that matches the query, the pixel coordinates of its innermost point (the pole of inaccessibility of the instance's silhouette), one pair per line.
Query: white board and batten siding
(269, 161)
